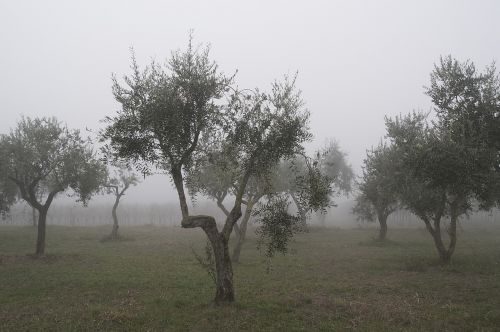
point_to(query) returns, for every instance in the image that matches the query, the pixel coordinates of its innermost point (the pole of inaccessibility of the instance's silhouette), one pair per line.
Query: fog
(357, 60)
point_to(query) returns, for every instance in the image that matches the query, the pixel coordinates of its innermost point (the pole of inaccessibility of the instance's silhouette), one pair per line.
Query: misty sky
(357, 60)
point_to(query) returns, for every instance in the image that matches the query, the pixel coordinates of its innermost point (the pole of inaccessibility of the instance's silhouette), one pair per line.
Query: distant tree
(309, 179)
(288, 172)
(437, 177)
(377, 197)
(42, 153)
(333, 163)
(171, 116)
(118, 181)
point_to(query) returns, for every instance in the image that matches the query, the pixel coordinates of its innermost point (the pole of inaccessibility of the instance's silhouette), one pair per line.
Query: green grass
(331, 280)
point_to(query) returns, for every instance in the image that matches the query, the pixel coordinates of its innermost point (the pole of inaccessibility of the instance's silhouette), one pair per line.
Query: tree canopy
(41, 153)
(377, 196)
(467, 103)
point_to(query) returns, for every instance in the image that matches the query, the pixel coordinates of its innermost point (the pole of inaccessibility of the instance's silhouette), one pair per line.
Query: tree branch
(51, 196)
(122, 192)
(24, 193)
(221, 205)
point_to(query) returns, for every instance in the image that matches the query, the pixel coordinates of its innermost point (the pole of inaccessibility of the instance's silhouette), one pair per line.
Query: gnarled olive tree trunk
(218, 239)
(224, 292)
(224, 271)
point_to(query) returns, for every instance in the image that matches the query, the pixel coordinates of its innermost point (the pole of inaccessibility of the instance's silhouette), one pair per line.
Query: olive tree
(314, 179)
(437, 177)
(118, 181)
(172, 114)
(377, 196)
(333, 163)
(43, 153)
(448, 165)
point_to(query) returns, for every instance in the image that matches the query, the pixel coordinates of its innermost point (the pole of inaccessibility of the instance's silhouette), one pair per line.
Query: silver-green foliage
(41, 152)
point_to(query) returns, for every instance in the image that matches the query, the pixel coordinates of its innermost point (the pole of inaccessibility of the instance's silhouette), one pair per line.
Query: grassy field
(331, 280)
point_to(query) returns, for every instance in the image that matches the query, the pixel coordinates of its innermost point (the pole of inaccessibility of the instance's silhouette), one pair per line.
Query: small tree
(333, 163)
(170, 117)
(377, 197)
(445, 167)
(117, 184)
(437, 177)
(42, 153)
(308, 182)
(289, 174)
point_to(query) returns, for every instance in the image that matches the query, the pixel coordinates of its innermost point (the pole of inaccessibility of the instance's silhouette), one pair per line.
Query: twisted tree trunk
(114, 231)
(219, 240)
(224, 288)
(118, 195)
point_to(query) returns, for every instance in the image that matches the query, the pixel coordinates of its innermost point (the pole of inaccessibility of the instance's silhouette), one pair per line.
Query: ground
(331, 280)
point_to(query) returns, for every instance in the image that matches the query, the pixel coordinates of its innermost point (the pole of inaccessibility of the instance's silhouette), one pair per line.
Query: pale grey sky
(357, 60)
